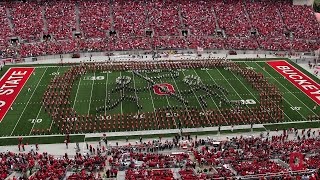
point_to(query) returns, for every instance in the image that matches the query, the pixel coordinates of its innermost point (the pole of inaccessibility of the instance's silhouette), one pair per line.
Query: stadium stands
(129, 25)
(255, 157)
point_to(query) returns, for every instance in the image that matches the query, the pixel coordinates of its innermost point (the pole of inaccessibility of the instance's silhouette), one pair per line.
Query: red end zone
(297, 78)
(11, 84)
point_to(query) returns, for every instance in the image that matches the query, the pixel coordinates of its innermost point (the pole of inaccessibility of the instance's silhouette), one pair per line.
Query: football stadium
(159, 90)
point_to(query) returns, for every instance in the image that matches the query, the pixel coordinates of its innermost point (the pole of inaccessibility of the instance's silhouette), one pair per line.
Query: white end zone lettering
(2, 103)
(11, 84)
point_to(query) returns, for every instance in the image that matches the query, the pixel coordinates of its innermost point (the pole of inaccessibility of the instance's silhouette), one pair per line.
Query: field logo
(163, 89)
(11, 84)
(297, 78)
(296, 161)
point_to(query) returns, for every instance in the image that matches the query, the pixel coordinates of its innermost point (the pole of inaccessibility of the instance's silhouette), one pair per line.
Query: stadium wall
(133, 54)
(303, 2)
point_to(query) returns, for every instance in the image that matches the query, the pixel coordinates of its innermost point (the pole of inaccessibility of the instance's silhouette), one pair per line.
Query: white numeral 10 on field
(33, 121)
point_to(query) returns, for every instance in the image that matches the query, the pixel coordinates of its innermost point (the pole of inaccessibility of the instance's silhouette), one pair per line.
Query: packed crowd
(34, 165)
(129, 25)
(184, 157)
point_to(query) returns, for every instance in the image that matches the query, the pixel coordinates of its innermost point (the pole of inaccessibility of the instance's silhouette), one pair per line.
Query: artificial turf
(88, 95)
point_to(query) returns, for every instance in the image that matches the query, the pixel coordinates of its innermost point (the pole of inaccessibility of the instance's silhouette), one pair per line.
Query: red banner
(11, 84)
(298, 78)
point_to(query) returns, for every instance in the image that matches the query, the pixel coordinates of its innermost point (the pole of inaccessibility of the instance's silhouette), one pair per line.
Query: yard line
(41, 67)
(154, 108)
(94, 75)
(135, 90)
(248, 90)
(290, 93)
(75, 99)
(28, 102)
(169, 106)
(199, 103)
(36, 120)
(105, 101)
(256, 99)
(121, 94)
(236, 91)
(41, 106)
(186, 107)
(210, 96)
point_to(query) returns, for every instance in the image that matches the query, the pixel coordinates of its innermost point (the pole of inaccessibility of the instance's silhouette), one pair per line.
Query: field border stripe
(19, 90)
(28, 102)
(295, 84)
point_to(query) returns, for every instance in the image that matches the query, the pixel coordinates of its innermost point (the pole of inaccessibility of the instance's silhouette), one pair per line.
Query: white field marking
(199, 102)
(135, 91)
(254, 61)
(282, 110)
(248, 90)
(287, 90)
(210, 96)
(296, 86)
(233, 89)
(154, 108)
(121, 94)
(35, 121)
(222, 92)
(170, 108)
(75, 98)
(51, 119)
(28, 102)
(180, 93)
(40, 67)
(94, 74)
(105, 101)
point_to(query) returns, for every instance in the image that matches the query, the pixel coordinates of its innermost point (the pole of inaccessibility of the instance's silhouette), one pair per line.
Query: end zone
(11, 84)
(303, 82)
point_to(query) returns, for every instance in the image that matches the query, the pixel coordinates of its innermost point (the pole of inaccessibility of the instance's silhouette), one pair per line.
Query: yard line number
(93, 78)
(33, 121)
(295, 108)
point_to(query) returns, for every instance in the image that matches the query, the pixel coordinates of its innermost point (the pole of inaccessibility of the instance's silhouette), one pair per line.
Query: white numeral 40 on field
(295, 108)
(33, 121)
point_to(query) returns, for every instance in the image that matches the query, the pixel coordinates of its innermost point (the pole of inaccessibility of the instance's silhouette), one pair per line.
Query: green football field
(95, 90)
